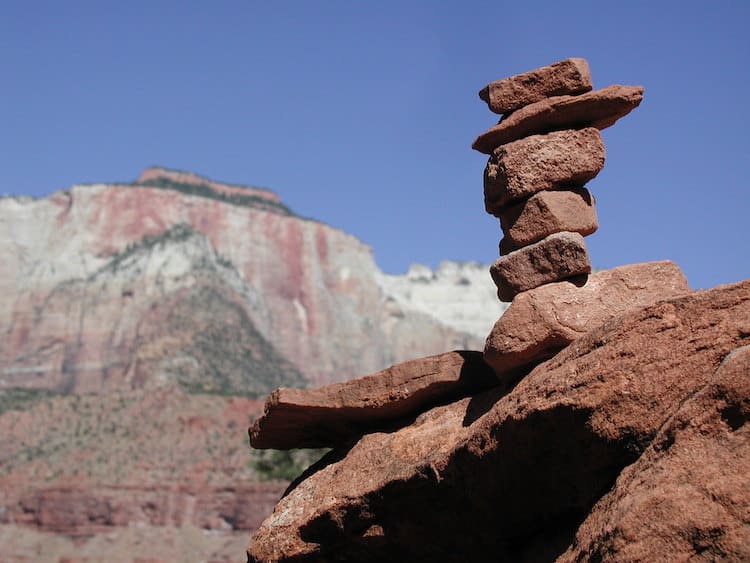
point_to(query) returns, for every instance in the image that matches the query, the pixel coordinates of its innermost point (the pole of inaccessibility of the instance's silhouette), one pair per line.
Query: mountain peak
(155, 175)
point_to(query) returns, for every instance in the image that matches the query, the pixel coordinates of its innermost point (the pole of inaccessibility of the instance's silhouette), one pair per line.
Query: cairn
(543, 151)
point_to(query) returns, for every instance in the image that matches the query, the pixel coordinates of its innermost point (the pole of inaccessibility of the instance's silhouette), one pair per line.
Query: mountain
(143, 322)
(92, 271)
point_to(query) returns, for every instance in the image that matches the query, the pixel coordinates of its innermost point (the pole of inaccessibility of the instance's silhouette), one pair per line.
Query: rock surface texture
(541, 322)
(511, 474)
(554, 258)
(688, 495)
(600, 109)
(571, 76)
(328, 416)
(541, 162)
(549, 212)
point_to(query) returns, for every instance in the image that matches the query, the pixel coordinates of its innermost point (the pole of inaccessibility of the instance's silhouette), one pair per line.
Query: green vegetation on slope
(284, 465)
(176, 233)
(230, 356)
(22, 398)
(204, 190)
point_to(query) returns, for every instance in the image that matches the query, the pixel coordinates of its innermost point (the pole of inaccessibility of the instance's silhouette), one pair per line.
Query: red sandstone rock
(687, 497)
(331, 415)
(542, 321)
(549, 212)
(570, 76)
(555, 258)
(541, 162)
(509, 477)
(507, 246)
(600, 109)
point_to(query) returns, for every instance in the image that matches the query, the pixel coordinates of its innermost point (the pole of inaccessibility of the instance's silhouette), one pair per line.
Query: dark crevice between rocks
(521, 501)
(481, 403)
(734, 416)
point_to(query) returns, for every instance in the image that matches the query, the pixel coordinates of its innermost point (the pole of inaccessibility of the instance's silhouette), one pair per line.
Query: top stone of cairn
(567, 77)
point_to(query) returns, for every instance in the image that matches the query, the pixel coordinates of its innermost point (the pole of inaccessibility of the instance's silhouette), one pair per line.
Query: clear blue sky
(361, 114)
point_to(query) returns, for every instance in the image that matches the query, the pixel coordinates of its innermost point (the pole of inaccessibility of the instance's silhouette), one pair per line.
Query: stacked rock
(542, 152)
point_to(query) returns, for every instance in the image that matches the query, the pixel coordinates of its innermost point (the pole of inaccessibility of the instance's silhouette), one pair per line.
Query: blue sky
(361, 114)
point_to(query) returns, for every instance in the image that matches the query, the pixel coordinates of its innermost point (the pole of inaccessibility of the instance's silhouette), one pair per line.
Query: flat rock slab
(555, 258)
(599, 108)
(508, 477)
(334, 414)
(541, 162)
(541, 322)
(547, 213)
(571, 76)
(688, 495)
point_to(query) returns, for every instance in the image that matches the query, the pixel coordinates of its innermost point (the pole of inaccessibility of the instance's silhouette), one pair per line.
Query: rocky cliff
(90, 273)
(140, 324)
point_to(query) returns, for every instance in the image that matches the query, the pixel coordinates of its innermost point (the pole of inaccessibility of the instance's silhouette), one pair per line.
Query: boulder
(542, 321)
(541, 162)
(688, 495)
(334, 414)
(570, 76)
(509, 476)
(599, 108)
(549, 212)
(554, 258)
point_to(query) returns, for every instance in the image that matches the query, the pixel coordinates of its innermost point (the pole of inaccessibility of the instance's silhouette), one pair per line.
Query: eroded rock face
(78, 510)
(101, 254)
(334, 414)
(554, 258)
(510, 475)
(541, 162)
(688, 495)
(542, 321)
(549, 212)
(570, 76)
(599, 108)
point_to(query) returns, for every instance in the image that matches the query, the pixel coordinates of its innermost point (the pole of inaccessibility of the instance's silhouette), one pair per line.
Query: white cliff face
(460, 295)
(312, 292)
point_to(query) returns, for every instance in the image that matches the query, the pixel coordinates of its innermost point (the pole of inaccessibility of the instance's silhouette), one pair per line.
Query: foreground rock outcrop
(510, 474)
(688, 495)
(325, 417)
(612, 426)
(541, 322)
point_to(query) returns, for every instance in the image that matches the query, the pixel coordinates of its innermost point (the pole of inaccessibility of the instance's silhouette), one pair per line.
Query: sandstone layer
(599, 108)
(549, 212)
(570, 76)
(112, 256)
(541, 162)
(334, 414)
(511, 475)
(554, 258)
(688, 497)
(542, 321)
